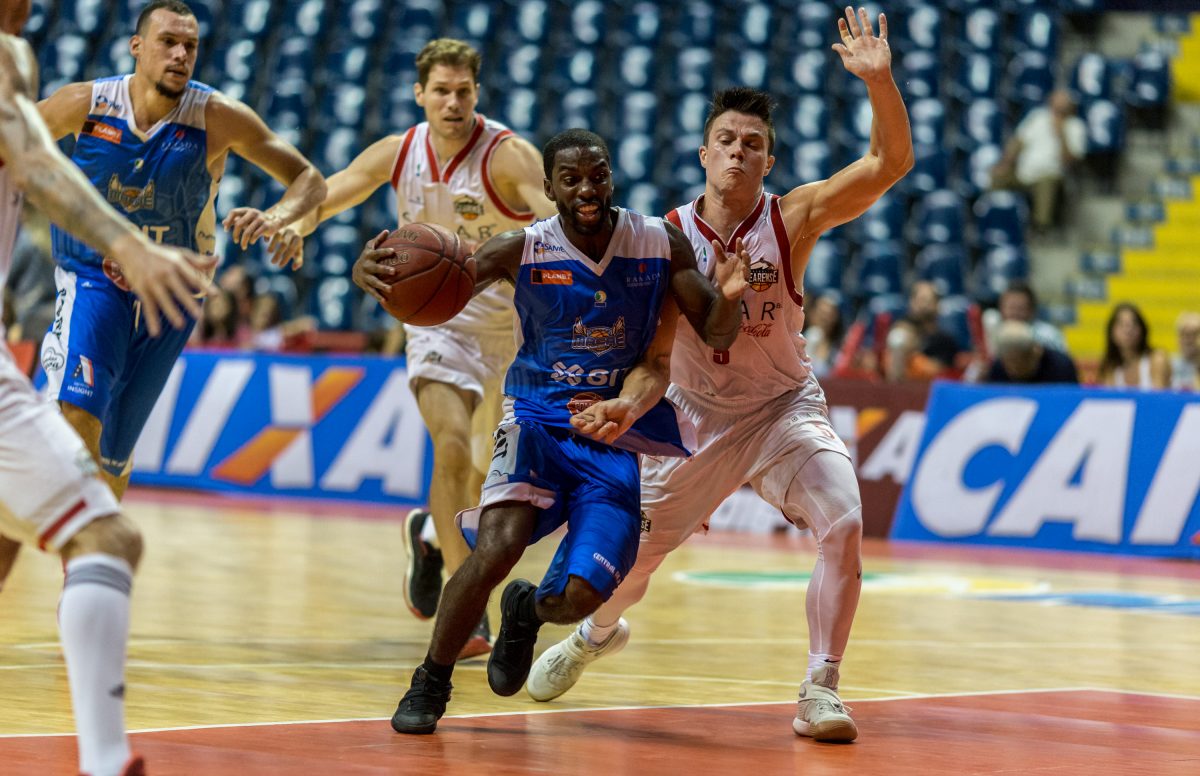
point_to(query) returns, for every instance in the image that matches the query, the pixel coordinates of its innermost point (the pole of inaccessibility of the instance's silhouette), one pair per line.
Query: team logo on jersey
(132, 199)
(763, 275)
(581, 401)
(598, 339)
(102, 102)
(53, 360)
(552, 277)
(574, 375)
(103, 131)
(601, 299)
(468, 208)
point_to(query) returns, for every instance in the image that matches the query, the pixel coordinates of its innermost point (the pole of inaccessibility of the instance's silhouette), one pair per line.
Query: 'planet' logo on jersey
(132, 199)
(468, 208)
(598, 339)
(763, 275)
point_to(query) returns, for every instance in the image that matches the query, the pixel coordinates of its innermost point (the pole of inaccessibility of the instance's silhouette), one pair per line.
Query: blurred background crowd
(1045, 234)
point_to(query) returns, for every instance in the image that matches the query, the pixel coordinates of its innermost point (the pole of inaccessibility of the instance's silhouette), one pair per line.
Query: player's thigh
(484, 422)
(49, 489)
(812, 478)
(436, 355)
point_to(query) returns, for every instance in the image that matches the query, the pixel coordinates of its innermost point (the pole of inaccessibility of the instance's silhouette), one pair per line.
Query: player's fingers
(373, 262)
(841, 50)
(852, 23)
(183, 294)
(149, 314)
(375, 283)
(166, 306)
(865, 22)
(718, 251)
(378, 239)
(883, 27)
(261, 228)
(844, 31)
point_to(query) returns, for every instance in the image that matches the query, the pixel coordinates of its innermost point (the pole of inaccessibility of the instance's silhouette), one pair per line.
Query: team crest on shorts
(581, 401)
(645, 523)
(598, 339)
(468, 208)
(763, 275)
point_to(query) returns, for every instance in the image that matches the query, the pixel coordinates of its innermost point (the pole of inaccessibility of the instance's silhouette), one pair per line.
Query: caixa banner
(324, 427)
(1060, 468)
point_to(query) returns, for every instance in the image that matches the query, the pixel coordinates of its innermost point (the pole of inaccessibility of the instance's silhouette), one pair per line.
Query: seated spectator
(1047, 142)
(823, 332)
(1129, 360)
(903, 361)
(1019, 303)
(934, 342)
(1021, 358)
(218, 326)
(1185, 372)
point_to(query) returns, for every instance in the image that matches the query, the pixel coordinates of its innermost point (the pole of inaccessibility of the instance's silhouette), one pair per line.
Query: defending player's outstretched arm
(715, 312)
(814, 208)
(233, 126)
(164, 279)
(645, 385)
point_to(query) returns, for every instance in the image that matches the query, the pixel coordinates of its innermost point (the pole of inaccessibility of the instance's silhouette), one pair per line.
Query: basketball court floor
(272, 638)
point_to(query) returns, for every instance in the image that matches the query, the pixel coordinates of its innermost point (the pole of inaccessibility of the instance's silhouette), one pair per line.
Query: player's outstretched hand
(732, 273)
(246, 225)
(287, 245)
(605, 421)
(167, 280)
(862, 53)
(368, 274)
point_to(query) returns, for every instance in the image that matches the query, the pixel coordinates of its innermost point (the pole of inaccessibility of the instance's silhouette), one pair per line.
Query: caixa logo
(1063, 469)
(575, 375)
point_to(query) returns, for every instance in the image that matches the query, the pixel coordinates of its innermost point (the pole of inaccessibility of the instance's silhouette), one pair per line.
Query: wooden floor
(272, 639)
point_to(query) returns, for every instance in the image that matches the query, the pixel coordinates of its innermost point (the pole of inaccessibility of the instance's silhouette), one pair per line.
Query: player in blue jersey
(598, 291)
(154, 144)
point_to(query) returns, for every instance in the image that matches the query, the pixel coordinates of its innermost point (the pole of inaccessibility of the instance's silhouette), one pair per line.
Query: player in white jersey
(473, 176)
(760, 415)
(50, 491)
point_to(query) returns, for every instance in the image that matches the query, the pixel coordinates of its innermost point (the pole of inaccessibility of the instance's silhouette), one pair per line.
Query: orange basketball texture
(436, 276)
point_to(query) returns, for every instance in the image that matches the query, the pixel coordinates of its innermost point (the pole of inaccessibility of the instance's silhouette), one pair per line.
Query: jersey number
(720, 356)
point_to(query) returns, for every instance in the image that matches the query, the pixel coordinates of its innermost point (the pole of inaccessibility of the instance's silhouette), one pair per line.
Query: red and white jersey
(463, 198)
(768, 358)
(10, 220)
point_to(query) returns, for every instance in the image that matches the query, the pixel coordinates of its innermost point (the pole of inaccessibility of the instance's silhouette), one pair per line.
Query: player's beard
(168, 92)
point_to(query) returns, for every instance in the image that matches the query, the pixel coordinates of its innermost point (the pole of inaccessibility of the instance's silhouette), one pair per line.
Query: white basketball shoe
(559, 668)
(820, 713)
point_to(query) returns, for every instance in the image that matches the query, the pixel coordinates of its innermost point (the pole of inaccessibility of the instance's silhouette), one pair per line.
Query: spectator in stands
(237, 281)
(1019, 303)
(903, 360)
(823, 330)
(266, 323)
(935, 343)
(30, 292)
(1129, 360)
(1022, 358)
(1047, 142)
(1185, 371)
(219, 325)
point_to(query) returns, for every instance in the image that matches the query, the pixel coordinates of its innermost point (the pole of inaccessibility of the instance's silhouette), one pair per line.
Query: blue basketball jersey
(159, 181)
(584, 325)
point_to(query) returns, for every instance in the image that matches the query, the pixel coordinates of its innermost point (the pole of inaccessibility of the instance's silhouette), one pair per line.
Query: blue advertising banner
(324, 427)
(1057, 468)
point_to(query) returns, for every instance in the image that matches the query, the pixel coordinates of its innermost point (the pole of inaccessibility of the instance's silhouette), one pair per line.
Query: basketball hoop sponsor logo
(598, 339)
(581, 401)
(552, 277)
(468, 208)
(763, 275)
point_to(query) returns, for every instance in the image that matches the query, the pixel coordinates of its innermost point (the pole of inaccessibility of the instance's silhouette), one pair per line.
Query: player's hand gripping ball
(434, 275)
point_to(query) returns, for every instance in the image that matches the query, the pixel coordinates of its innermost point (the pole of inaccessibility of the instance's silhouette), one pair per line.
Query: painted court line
(527, 712)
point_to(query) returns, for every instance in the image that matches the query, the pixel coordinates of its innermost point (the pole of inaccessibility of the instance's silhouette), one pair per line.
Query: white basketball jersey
(10, 220)
(768, 358)
(460, 197)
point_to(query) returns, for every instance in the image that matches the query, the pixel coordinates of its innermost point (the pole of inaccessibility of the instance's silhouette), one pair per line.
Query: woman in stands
(1129, 361)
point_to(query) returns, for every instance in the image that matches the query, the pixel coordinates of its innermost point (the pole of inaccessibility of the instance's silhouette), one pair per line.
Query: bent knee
(115, 535)
(580, 599)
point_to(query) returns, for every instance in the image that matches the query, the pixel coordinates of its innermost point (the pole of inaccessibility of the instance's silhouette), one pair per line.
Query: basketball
(436, 276)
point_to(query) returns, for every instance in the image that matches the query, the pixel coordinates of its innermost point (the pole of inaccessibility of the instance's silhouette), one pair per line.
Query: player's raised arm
(234, 126)
(520, 179)
(715, 312)
(353, 185)
(816, 207)
(164, 279)
(66, 110)
(645, 385)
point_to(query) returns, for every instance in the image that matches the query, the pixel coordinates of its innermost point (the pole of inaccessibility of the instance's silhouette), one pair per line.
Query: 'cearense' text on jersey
(583, 326)
(461, 197)
(158, 180)
(768, 358)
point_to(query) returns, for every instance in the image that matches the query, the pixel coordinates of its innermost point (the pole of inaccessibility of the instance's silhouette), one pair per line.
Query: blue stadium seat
(752, 70)
(587, 22)
(645, 198)
(639, 110)
(294, 58)
(336, 299)
(928, 121)
(241, 60)
(419, 20)
(921, 27)
(982, 29)
(952, 317)
(640, 23)
(808, 70)
(939, 218)
(337, 149)
(111, 58)
(1037, 30)
(693, 69)
(340, 245)
(880, 269)
(1105, 127)
(62, 59)
(1032, 79)
(977, 173)
(884, 220)
(1151, 83)
(945, 266)
(578, 108)
(638, 68)
(1091, 78)
(303, 19)
(1000, 266)
(919, 74)
(574, 67)
(930, 170)
(1001, 218)
(756, 24)
(695, 25)
(361, 19)
(520, 110)
(255, 14)
(824, 270)
(978, 77)
(686, 171)
(690, 110)
(347, 64)
(982, 123)
(36, 23)
(524, 66)
(473, 22)
(528, 18)
(809, 118)
(81, 17)
(812, 161)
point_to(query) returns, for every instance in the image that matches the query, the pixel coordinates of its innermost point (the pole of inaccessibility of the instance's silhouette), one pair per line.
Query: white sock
(429, 532)
(93, 618)
(596, 634)
(817, 662)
